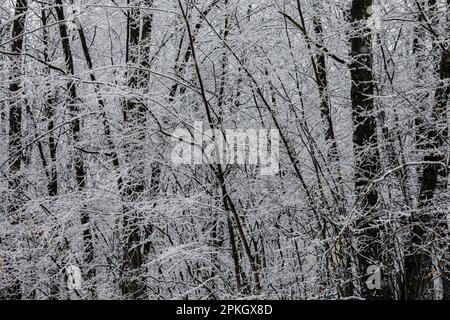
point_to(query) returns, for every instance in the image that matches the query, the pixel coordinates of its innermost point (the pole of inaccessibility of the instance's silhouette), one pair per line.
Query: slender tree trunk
(138, 48)
(15, 204)
(52, 185)
(240, 278)
(101, 102)
(75, 129)
(180, 67)
(218, 169)
(446, 254)
(15, 110)
(426, 221)
(325, 107)
(420, 53)
(342, 257)
(50, 168)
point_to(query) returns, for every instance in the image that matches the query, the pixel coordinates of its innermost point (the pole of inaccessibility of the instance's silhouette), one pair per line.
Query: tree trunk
(75, 129)
(138, 48)
(365, 138)
(15, 128)
(426, 221)
(325, 109)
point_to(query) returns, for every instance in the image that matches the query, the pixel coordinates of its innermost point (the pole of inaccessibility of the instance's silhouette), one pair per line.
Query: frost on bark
(75, 131)
(429, 228)
(15, 203)
(365, 139)
(140, 25)
(92, 94)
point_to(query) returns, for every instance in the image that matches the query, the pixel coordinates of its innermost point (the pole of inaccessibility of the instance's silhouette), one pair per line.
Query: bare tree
(365, 138)
(429, 227)
(75, 129)
(16, 100)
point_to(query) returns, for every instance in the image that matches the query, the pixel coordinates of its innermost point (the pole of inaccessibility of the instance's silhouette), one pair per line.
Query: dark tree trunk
(241, 282)
(15, 110)
(50, 166)
(325, 109)
(422, 66)
(101, 102)
(365, 138)
(75, 129)
(13, 290)
(446, 268)
(180, 66)
(426, 221)
(138, 48)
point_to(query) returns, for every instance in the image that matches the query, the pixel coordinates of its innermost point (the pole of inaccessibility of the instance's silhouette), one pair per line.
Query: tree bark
(138, 48)
(426, 221)
(15, 128)
(365, 139)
